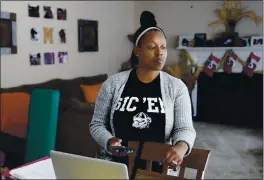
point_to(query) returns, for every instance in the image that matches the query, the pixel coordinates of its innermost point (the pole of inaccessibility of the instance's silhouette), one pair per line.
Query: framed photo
(186, 41)
(35, 59)
(247, 41)
(87, 35)
(8, 36)
(35, 34)
(48, 12)
(33, 11)
(256, 41)
(200, 39)
(61, 14)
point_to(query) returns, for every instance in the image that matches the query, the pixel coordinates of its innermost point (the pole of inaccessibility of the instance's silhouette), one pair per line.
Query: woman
(145, 103)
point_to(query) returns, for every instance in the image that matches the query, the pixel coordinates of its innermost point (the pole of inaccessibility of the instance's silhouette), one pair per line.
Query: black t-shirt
(140, 115)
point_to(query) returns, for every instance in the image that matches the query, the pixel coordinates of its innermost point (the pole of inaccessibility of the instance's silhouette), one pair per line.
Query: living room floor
(236, 153)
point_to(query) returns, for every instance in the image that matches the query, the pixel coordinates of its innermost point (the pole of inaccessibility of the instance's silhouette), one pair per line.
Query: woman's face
(152, 52)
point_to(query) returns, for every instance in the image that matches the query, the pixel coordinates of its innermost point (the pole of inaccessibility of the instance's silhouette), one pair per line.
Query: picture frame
(87, 35)
(185, 41)
(247, 41)
(8, 35)
(61, 14)
(256, 41)
(200, 39)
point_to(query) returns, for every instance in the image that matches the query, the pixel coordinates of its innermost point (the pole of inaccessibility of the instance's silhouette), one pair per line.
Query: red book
(6, 175)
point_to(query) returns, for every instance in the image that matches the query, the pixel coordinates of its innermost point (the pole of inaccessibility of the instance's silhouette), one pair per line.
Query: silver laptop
(70, 166)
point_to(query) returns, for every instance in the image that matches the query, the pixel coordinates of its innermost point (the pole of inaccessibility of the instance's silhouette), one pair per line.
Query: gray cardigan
(177, 105)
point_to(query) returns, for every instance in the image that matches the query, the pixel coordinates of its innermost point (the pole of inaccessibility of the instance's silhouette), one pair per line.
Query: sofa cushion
(94, 79)
(81, 106)
(73, 135)
(90, 92)
(14, 113)
(74, 104)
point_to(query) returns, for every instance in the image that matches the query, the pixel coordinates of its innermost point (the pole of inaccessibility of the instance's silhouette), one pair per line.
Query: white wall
(115, 22)
(178, 18)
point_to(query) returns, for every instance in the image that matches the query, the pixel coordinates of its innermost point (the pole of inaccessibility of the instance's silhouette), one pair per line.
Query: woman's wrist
(182, 146)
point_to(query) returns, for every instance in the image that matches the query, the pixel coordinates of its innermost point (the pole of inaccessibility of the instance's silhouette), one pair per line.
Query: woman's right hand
(114, 142)
(115, 152)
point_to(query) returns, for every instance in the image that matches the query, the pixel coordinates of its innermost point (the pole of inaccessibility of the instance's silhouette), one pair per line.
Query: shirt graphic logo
(141, 121)
(129, 104)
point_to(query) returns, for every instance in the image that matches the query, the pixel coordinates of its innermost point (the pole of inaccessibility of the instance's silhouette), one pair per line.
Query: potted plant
(231, 13)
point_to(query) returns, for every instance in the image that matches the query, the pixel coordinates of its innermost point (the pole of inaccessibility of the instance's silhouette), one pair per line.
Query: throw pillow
(91, 92)
(14, 113)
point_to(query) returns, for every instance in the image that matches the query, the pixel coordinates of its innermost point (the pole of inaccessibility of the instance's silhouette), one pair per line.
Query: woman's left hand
(175, 154)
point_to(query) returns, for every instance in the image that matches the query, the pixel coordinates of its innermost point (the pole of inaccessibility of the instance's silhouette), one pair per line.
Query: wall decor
(49, 58)
(211, 65)
(61, 14)
(48, 35)
(186, 41)
(8, 35)
(62, 57)
(256, 41)
(35, 34)
(33, 11)
(247, 41)
(87, 35)
(229, 62)
(251, 64)
(35, 59)
(62, 36)
(48, 14)
(200, 39)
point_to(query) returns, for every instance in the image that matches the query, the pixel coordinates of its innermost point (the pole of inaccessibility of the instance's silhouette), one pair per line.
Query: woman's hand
(114, 142)
(175, 154)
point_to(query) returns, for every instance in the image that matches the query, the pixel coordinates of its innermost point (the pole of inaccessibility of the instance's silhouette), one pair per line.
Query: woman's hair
(147, 24)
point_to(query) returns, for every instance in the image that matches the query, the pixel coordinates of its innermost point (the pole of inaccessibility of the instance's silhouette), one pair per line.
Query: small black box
(200, 39)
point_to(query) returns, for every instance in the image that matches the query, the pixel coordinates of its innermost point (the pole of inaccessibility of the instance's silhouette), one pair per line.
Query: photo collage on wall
(48, 35)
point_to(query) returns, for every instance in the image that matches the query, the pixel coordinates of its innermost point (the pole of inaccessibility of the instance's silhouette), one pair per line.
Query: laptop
(70, 166)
